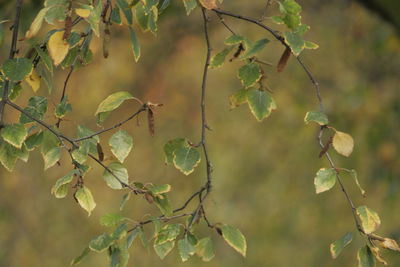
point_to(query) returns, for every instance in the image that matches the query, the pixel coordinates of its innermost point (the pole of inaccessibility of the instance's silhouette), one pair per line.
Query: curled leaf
(284, 59)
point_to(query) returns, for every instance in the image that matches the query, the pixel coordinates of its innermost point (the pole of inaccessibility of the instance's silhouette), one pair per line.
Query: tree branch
(13, 51)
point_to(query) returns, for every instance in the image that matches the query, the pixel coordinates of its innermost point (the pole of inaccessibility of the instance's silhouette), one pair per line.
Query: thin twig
(64, 91)
(13, 51)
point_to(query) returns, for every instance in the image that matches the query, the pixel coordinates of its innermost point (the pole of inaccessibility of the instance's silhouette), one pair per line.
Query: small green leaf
(234, 238)
(171, 146)
(255, 48)
(45, 58)
(63, 107)
(365, 257)
(135, 44)
(15, 134)
(60, 188)
(121, 144)
(249, 74)
(34, 140)
(162, 250)
(234, 40)
(316, 116)
(17, 69)
(120, 232)
(219, 59)
(163, 203)
(260, 102)
(238, 98)
(168, 233)
(132, 235)
(186, 249)
(337, 246)
(85, 199)
(57, 10)
(118, 170)
(370, 220)
(310, 45)
(295, 42)
(343, 143)
(126, 9)
(101, 242)
(78, 259)
(278, 20)
(51, 157)
(186, 159)
(112, 102)
(142, 17)
(8, 155)
(159, 189)
(190, 5)
(111, 220)
(124, 199)
(115, 16)
(205, 249)
(37, 107)
(325, 180)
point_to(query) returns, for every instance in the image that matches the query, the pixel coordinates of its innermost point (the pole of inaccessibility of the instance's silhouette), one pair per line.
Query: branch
(313, 80)
(64, 91)
(13, 51)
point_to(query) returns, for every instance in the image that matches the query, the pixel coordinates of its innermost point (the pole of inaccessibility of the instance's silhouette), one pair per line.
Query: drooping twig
(13, 51)
(64, 91)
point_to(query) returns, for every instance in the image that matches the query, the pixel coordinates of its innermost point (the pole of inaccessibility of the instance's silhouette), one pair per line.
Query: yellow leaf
(209, 4)
(58, 48)
(378, 257)
(390, 244)
(33, 80)
(81, 12)
(343, 143)
(36, 24)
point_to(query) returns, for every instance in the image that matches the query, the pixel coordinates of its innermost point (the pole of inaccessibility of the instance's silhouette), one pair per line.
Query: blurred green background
(263, 179)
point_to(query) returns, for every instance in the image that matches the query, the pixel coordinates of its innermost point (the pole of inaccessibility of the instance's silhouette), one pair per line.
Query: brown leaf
(100, 152)
(390, 244)
(150, 120)
(375, 251)
(284, 59)
(239, 50)
(149, 198)
(209, 4)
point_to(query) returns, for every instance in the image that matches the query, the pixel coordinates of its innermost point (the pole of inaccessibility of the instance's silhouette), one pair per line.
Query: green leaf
(8, 155)
(34, 141)
(186, 159)
(278, 20)
(255, 48)
(115, 16)
(51, 157)
(57, 10)
(45, 58)
(249, 74)
(63, 107)
(153, 17)
(168, 233)
(186, 249)
(142, 18)
(85, 199)
(291, 11)
(159, 189)
(94, 18)
(238, 98)
(171, 146)
(119, 232)
(219, 59)
(337, 246)
(124, 199)
(370, 220)
(163, 203)
(365, 257)
(60, 189)
(343, 143)
(37, 107)
(15, 134)
(205, 249)
(325, 180)
(118, 170)
(132, 235)
(78, 259)
(295, 42)
(316, 116)
(162, 250)
(310, 45)
(126, 9)
(353, 174)
(119, 255)
(17, 69)
(135, 44)
(260, 102)
(121, 144)
(190, 5)
(110, 220)
(234, 40)
(234, 238)
(101, 242)
(112, 102)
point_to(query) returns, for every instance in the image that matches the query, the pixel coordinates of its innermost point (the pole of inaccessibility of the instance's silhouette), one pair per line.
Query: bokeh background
(263, 179)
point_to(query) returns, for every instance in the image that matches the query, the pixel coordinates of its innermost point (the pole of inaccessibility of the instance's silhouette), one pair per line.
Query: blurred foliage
(263, 172)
